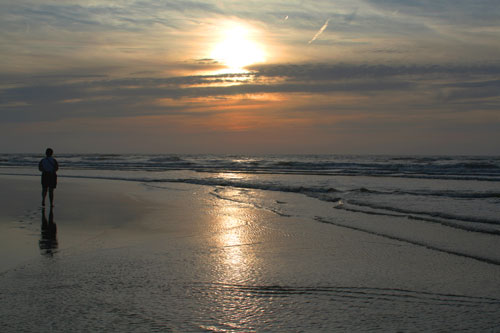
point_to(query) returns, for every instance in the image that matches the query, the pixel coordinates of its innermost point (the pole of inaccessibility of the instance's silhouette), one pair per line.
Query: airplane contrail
(320, 31)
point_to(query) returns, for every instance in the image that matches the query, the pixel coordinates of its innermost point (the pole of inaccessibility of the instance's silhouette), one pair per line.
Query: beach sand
(177, 257)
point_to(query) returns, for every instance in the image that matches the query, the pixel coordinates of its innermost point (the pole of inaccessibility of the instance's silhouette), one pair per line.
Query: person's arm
(40, 167)
(56, 166)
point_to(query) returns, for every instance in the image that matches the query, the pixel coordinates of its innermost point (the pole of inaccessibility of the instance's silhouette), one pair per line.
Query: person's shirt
(48, 164)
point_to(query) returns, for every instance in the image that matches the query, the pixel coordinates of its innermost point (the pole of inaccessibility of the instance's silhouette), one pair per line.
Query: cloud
(484, 93)
(325, 71)
(92, 15)
(383, 62)
(431, 86)
(449, 15)
(320, 31)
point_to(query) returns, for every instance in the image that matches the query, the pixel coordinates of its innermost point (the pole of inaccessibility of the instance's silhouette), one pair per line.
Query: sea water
(446, 204)
(454, 193)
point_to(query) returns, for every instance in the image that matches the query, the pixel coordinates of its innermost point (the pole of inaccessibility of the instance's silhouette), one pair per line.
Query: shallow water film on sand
(225, 243)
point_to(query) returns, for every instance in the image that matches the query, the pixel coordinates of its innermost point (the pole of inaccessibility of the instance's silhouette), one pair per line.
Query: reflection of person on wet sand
(48, 239)
(48, 166)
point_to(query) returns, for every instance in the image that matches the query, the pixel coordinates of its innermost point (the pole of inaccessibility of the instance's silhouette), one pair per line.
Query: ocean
(414, 194)
(240, 243)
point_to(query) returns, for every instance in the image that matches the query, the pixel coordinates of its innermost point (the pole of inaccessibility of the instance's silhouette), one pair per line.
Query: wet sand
(135, 257)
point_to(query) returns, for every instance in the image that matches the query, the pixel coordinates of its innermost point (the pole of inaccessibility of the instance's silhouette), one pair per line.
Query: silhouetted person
(48, 166)
(48, 240)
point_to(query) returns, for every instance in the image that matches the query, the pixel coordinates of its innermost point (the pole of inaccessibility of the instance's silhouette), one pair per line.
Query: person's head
(49, 152)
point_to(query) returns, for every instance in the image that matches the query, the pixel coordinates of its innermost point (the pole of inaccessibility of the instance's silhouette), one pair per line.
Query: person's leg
(51, 196)
(44, 195)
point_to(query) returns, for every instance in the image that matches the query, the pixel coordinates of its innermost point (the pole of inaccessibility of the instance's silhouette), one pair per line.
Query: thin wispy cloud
(320, 31)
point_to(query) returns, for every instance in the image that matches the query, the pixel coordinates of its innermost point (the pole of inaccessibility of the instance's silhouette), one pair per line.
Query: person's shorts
(49, 179)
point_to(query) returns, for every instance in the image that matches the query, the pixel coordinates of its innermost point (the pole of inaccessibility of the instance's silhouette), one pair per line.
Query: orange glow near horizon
(256, 112)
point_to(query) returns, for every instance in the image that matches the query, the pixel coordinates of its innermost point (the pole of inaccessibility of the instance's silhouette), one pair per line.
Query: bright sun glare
(237, 49)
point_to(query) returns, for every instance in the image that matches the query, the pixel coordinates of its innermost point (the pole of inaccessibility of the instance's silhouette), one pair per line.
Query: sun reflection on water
(231, 175)
(236, 261)
(236, 257)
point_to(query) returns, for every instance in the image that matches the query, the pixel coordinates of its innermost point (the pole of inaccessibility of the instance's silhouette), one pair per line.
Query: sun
(237, 48)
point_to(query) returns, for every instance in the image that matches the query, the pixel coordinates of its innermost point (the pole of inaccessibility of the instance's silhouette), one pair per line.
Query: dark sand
(133, 257)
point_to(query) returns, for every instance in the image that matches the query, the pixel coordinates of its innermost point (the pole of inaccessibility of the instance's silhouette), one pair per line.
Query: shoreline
(179, 245)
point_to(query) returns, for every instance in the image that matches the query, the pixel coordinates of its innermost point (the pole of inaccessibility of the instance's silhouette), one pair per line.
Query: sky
(250, 77)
